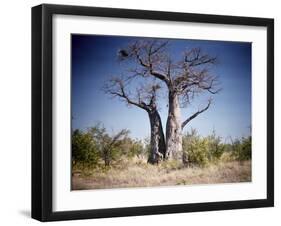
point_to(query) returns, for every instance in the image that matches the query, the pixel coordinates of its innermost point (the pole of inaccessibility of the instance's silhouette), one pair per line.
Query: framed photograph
(146, 112)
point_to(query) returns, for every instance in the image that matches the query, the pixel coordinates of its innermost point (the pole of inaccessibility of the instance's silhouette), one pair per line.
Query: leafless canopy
(186, 77)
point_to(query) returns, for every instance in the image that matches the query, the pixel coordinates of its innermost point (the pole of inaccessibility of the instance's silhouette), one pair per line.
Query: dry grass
(140, 174)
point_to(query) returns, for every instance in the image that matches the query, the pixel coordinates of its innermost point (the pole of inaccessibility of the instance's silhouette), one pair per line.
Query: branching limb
(144, 96)
(196, 114)
(210, 87)
(116, 88)
(117, 137)
(195, 57)
(147, 54)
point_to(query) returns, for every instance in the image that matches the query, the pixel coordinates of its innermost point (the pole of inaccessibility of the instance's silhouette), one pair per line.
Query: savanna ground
(138, 173)
(101, 161)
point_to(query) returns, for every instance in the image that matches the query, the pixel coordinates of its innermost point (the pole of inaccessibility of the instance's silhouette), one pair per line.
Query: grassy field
(140, 174)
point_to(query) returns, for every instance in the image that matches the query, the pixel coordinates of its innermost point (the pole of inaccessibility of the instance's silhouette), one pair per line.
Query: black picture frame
(42, 111)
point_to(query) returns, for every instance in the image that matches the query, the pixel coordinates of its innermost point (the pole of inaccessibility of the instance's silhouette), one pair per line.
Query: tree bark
(174, 129)
(157, 138)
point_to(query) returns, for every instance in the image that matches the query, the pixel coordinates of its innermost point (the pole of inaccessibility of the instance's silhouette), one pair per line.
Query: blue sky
(94, 61)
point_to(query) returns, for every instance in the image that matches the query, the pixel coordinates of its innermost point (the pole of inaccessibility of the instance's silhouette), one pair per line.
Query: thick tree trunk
(173, 129)
(157, 139)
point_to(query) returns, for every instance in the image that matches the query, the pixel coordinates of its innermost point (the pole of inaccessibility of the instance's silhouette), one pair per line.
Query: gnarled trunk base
(157, 139)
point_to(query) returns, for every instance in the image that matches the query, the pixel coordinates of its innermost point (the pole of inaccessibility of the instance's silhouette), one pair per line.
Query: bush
(96, 148)
(131, 148)
(198, 152)
(216, 148)
(195, 148)
(242, 149)
(202, 150)
(109, 147)
(84, 149)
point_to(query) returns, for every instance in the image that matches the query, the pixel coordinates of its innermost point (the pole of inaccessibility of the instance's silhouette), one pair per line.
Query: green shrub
(198, 152)
(130, 148)
(84, 149)
(109, 146)
(202, 150)
(242, 149)
(195, 148)
(216, 148)
(96, 148)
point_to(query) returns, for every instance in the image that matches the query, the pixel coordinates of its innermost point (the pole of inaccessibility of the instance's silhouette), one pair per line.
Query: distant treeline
(96, 148)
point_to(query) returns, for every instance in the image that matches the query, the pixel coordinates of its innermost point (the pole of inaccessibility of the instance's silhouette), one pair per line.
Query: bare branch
(210, 88)
(118, 136)
(116, 88)
(194, 82)
(161, 45)
(145, 95)
(147, 54)
(195, 57)
(149, 67)
(196, 114)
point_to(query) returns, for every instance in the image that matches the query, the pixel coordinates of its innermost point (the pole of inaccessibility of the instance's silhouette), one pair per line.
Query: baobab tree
(145, 99)
(184, 79)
